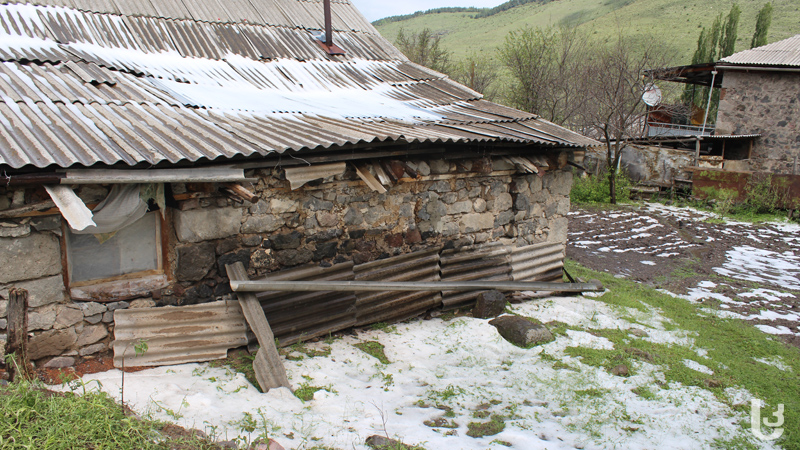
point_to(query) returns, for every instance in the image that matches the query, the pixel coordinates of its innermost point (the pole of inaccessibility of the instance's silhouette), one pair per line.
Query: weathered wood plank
(268, 367)
(17, 344)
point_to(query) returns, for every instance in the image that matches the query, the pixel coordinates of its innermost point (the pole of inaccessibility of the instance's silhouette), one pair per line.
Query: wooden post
(17, 345)
(268, 367)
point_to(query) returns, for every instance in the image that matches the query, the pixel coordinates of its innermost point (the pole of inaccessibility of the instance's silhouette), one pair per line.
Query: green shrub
(596, 189)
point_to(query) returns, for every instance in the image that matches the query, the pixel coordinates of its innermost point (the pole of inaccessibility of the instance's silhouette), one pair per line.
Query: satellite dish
(652, 95)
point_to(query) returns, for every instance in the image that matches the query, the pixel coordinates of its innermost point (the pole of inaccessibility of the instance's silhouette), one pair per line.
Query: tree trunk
(17, 345)
(612, 184)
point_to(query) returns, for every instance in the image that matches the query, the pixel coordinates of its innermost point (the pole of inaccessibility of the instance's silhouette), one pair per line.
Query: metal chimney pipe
(328, 28)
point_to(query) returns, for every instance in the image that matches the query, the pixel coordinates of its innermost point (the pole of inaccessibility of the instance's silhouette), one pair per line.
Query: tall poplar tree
(763, 21)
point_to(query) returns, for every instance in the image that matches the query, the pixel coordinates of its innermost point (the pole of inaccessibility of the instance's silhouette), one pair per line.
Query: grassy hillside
(678, 22)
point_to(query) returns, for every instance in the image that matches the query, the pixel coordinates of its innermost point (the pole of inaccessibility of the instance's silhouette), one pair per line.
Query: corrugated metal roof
(129, 88)
(781, 53)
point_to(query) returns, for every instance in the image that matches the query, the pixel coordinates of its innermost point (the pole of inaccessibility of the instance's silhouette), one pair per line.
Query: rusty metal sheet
(708, 182)
(372, 307)
(297, 316)
(476, 262)
(178, 334)
(538, 262)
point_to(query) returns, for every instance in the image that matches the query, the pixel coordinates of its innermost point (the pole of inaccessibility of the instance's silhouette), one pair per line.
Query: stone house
(145, 145)
(756, 127)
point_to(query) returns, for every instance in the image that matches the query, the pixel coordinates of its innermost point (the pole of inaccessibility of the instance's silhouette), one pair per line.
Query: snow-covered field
(462, 364)
(461, 371)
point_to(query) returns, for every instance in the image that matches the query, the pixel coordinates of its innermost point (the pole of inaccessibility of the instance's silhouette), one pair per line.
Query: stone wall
(649, 163)
(767, 103)
(335, 221)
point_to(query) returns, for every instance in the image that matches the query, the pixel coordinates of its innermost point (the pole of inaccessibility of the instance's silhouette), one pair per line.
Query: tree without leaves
(614, 83)
(763, 22)
(544, 64)
(424, 48)
(477, 73)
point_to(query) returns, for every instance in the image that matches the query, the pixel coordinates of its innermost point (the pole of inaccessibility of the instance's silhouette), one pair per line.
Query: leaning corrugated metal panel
(374, 307)
(296, 316)
(489, 262)
(564, 134)
(538, 262)
(178, 334)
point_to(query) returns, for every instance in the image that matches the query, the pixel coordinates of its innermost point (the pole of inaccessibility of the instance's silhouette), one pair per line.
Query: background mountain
(677, 22)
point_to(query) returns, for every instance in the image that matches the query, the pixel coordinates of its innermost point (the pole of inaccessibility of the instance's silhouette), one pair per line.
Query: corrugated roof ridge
(785, 52)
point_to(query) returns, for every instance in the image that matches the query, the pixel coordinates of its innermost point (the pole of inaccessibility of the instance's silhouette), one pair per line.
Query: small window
(132, 251)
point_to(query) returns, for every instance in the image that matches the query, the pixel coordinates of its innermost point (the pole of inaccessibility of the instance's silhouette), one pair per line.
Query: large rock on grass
(521, 331)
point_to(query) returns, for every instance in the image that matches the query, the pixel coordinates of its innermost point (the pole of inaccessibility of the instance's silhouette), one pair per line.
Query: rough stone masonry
(333, 221)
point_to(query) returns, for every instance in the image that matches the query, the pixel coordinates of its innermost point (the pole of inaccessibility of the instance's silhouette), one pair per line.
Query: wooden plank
(269, 369)
(17, 343)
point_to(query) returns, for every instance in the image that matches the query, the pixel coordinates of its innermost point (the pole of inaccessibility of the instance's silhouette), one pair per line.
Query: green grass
(732, 346)
(306, 391)
(480, 429)
(374, 349)
(34, 418)
(680, 20)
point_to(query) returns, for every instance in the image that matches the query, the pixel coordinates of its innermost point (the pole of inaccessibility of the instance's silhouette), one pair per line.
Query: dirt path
(748, 271)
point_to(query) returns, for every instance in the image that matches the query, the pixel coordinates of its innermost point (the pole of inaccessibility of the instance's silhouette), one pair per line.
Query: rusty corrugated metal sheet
(781, 53)
(178, 334)
(538, 262)
(372, 307)
(475, 262)
(297, 316)
(785, 188)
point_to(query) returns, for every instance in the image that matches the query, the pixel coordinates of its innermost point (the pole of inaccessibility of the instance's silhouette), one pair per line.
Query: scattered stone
(198, 294)
(207, 224)
(142, 303)
(51, 343)
(641, 354)
(47, 223)
(294, 257)
(194, 261)
(439, 166)
(60, 362)
(251, 240)
(326, 235)
(91, 334)
(92, 308)
(95, 319)
(326, 250)
(638, 332)
(286, 241)
(242, 256)
(15, 231)
(42, 318)
(383, 443)
(92, 349)
(489, 304)
(521, 331)
(712, 383)
(41, 292)
(122, 305)
(620, 370)
(67, 316)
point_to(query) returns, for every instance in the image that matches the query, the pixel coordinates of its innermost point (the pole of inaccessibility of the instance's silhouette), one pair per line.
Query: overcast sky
(378, 9)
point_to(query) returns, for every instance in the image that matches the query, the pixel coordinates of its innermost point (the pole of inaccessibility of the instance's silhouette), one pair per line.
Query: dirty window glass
(132, 249)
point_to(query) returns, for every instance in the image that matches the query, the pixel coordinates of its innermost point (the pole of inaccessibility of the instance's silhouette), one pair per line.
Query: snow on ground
(462, 364)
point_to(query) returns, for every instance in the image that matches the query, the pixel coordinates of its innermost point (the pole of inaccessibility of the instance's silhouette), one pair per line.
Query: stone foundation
(334, 221)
